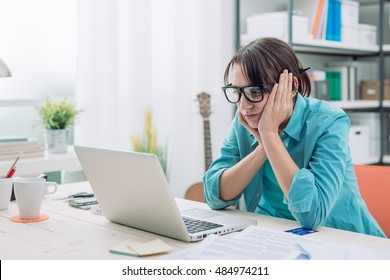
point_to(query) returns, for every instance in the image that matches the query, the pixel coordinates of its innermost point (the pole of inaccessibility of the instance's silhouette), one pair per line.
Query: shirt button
(286, 145)
(283, 133)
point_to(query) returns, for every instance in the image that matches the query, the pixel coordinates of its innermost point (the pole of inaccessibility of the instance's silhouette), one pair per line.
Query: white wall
(38, 42)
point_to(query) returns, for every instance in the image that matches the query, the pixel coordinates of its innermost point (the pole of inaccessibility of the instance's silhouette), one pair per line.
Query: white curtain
(160, 53)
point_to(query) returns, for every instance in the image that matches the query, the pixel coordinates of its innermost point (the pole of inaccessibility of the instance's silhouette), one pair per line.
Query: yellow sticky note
(138, 249)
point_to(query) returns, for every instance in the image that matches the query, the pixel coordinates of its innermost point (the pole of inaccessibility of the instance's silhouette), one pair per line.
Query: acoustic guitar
(195, 191)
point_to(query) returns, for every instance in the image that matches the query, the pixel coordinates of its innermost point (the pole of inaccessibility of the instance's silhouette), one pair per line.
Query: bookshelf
(319, 46)
(314, 52)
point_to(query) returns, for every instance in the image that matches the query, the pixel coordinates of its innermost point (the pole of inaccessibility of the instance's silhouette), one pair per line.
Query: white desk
(72, 233)
(48, 163)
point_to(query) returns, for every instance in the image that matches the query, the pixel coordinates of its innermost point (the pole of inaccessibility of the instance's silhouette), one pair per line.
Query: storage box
(372, 121)
(359, 143)
(367, 34)
(350, 34)
(370, 90)
(349, 13)
(276, 25)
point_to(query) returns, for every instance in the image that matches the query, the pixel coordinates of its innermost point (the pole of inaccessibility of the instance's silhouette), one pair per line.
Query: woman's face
(251, 112)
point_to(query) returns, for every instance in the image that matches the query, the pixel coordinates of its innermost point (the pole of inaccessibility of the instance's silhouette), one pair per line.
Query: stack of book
(342, 79)
(325, 17)
(11, 146)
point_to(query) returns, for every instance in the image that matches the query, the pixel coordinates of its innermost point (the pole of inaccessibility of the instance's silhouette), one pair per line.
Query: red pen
(11, 171)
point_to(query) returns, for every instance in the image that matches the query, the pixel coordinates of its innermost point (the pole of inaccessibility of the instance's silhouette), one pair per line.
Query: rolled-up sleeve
(315, 189)
(230, 155)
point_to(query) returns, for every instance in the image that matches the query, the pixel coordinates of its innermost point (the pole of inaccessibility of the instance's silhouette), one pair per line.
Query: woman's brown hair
(263, 60)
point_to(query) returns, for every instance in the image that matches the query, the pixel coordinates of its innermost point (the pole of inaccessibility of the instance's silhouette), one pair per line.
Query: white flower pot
(56, 140)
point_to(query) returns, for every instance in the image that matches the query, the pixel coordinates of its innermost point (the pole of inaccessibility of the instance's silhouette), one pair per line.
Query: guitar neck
(207, 143)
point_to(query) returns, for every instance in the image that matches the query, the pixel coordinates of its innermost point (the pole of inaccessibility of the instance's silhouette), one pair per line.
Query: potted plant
(57, 117)
(147, 143)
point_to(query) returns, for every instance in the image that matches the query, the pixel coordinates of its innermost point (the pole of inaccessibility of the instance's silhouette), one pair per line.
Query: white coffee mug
(5, 192)
(29, 193)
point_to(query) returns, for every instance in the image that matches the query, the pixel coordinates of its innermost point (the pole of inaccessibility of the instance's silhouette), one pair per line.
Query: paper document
(252, 243)
(361, 252)
(257, 243)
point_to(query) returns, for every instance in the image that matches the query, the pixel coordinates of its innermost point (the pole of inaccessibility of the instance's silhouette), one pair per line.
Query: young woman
(287, 154)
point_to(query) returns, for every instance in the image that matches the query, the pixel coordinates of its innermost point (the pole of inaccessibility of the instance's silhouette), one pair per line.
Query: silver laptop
(132, 190)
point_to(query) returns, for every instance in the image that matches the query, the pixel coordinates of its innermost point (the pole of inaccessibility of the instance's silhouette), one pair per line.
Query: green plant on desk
(57, 117)
(60, 114)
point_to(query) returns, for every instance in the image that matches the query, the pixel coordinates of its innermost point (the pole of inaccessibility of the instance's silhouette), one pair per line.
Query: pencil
(11, 173)
(12, 169)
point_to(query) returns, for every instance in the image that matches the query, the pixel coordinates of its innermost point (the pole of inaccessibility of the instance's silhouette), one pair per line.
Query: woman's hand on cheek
(254, 132)
(279, 105)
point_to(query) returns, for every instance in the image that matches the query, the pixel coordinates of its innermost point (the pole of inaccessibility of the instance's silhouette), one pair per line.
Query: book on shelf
(325, 17)
(319, 84)
(317, 19)
(8, 139)
(348, 80)
(334, 78)
(350, 76)
(313, 11)
(29, 146)
(333, 23)
(11, 155)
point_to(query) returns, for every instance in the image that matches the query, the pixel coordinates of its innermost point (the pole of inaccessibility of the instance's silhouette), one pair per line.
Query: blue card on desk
(301, 231)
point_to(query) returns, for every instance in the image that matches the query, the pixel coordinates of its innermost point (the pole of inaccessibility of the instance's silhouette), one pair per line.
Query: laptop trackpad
(200, 213)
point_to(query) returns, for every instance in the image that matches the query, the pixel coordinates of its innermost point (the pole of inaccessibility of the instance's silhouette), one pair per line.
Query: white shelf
(386, 159)
(386, 48)
(386, 103)
(324, 46)
(357, 104)
(20, 102)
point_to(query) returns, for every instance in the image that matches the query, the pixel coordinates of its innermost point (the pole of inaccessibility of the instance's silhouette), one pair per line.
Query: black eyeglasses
(253, 93)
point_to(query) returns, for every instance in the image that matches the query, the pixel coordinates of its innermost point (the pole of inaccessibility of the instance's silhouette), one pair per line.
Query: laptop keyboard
(194, 226)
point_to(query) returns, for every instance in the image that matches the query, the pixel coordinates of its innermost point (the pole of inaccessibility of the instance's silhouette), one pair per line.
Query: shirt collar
(294, 126)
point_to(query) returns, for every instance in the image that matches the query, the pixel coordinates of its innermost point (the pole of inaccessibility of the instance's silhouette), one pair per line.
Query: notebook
(132, 190)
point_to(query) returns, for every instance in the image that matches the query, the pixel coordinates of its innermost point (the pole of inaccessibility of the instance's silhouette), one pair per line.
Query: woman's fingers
(288, 93)
(281, 87)
(272, 95)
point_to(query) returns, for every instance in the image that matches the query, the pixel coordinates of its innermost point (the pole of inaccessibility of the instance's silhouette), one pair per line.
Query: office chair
(195, 192)
(375, 189)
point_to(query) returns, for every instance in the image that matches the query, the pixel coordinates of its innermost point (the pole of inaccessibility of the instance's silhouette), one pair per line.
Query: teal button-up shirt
(324, 191)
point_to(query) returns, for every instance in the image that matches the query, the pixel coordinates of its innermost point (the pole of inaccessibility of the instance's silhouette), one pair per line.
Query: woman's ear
(295, 86)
